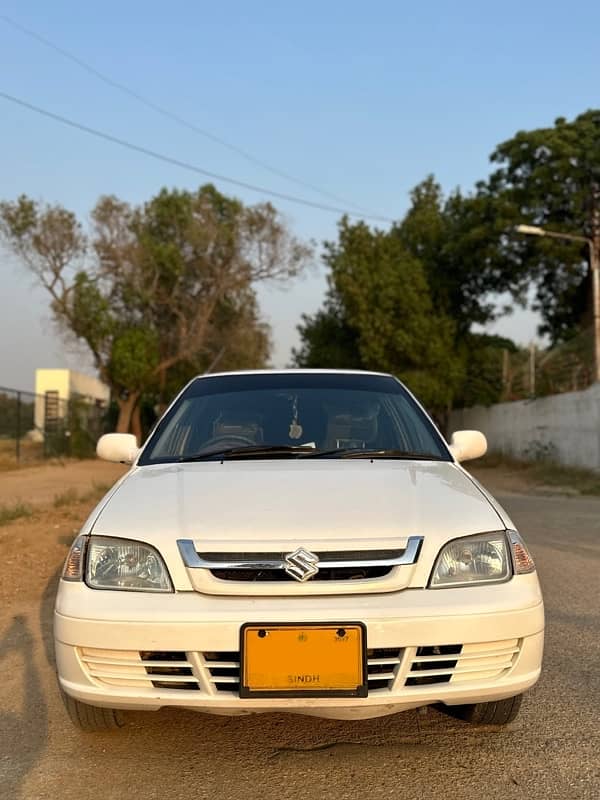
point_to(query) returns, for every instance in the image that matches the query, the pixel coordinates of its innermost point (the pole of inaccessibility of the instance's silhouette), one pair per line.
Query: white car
(301, 541)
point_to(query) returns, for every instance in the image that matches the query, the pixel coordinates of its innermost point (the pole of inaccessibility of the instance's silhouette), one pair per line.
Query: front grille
(456, 663)
(325, 573)
(158, 669)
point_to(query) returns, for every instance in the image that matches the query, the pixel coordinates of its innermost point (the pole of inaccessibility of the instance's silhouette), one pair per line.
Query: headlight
(126, 565)
(474, 559)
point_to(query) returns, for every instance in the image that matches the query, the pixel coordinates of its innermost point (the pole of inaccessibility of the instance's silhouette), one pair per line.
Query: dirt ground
(551, 751)
(38, 486)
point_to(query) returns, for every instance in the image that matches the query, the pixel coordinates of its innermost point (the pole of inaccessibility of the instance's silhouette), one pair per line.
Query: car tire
(499, 712)
(92, 719)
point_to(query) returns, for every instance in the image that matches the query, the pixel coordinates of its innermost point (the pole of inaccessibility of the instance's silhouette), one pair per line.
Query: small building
(56, 389)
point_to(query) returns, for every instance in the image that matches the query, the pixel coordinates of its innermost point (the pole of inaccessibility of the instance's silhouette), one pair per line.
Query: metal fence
(537, 372)
(34, 426)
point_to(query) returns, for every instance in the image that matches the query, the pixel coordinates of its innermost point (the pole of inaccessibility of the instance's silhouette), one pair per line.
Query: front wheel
(497, 712)
(92, 719)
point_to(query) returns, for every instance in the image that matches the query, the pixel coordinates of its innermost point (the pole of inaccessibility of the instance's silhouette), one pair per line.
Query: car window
(322, 411)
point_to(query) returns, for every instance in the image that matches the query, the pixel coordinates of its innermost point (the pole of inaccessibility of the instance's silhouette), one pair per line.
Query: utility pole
(505, 373)
(595, 267)
(532, 369)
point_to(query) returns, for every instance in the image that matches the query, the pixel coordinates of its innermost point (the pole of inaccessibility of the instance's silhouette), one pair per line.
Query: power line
(185, 164)
(169, 114)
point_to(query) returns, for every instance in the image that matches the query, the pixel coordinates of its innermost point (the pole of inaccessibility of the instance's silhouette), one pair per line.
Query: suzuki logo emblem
(301, 564)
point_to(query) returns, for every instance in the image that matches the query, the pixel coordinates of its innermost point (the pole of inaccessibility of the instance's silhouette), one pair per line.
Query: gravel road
(551, 751)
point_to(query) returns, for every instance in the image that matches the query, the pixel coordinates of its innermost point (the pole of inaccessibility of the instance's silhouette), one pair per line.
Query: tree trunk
(126, 409)
(136, 424)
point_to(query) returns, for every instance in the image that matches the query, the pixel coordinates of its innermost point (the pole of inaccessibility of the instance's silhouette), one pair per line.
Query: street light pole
(535, 230)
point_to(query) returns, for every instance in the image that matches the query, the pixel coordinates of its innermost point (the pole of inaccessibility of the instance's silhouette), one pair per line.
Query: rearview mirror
(121, 447)
(468, 444)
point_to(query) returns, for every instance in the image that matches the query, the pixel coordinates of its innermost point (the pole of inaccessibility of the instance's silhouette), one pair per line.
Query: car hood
(282, 504)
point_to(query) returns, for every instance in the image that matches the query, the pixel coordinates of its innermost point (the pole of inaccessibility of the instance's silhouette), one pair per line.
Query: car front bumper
(495, 636)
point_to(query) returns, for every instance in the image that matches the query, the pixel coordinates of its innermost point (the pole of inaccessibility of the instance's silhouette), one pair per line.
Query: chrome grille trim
(274, 561)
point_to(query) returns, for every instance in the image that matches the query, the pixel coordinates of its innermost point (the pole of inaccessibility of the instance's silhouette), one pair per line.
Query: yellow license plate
(308, 660)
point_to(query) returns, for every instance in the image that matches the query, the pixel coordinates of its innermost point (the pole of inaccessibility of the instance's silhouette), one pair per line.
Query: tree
(549, 177)
(455, 238)
(483, 358)
(153, 287)
(237, 339)
(379, 314)
(328, 340)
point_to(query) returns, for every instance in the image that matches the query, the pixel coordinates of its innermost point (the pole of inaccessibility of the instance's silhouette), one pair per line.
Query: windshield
(293, 415)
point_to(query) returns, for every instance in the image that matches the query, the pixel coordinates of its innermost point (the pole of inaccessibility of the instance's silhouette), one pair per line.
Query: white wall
(50, 380)
(67, 383)
(86, 386)
(569, 423)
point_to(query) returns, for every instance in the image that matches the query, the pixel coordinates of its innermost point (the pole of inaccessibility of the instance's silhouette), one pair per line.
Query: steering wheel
(232, 439)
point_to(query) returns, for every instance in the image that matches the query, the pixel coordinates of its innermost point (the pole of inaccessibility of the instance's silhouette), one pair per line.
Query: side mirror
(120, 447)
(468, 444)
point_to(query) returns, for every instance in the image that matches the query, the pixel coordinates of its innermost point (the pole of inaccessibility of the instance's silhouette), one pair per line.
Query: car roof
(295, 371)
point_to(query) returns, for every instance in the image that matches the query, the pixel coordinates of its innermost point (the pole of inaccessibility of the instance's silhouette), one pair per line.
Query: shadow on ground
(26, 728)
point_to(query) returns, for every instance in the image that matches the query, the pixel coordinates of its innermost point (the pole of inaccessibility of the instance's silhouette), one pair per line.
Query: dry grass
(66, 498)
(71, 501)
(72, 497)
(9, 513)
(545, 473)
(29, 453)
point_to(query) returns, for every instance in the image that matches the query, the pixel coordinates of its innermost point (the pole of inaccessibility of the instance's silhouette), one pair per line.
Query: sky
(362, 100)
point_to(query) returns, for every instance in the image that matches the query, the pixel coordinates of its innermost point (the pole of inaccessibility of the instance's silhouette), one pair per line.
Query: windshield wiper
(250, 451)
(303, 450)
(353, 452)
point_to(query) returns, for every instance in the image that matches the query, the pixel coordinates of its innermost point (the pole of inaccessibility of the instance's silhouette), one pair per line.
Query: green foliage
(404, 300)
(549, 177)
(380, 315)
(134, 358)
(327, 340)
(93, 320)
(455, 238)
(482, 356)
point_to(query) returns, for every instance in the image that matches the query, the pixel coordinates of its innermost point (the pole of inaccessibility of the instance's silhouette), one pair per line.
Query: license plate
(308, 660)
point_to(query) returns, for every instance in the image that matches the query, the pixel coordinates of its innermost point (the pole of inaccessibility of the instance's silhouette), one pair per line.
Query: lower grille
(433, 664)
(156, 664)
(219, 672)
(383, 664)
(159, 669)
(455, 662)
(382, 667)
(224, 670)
